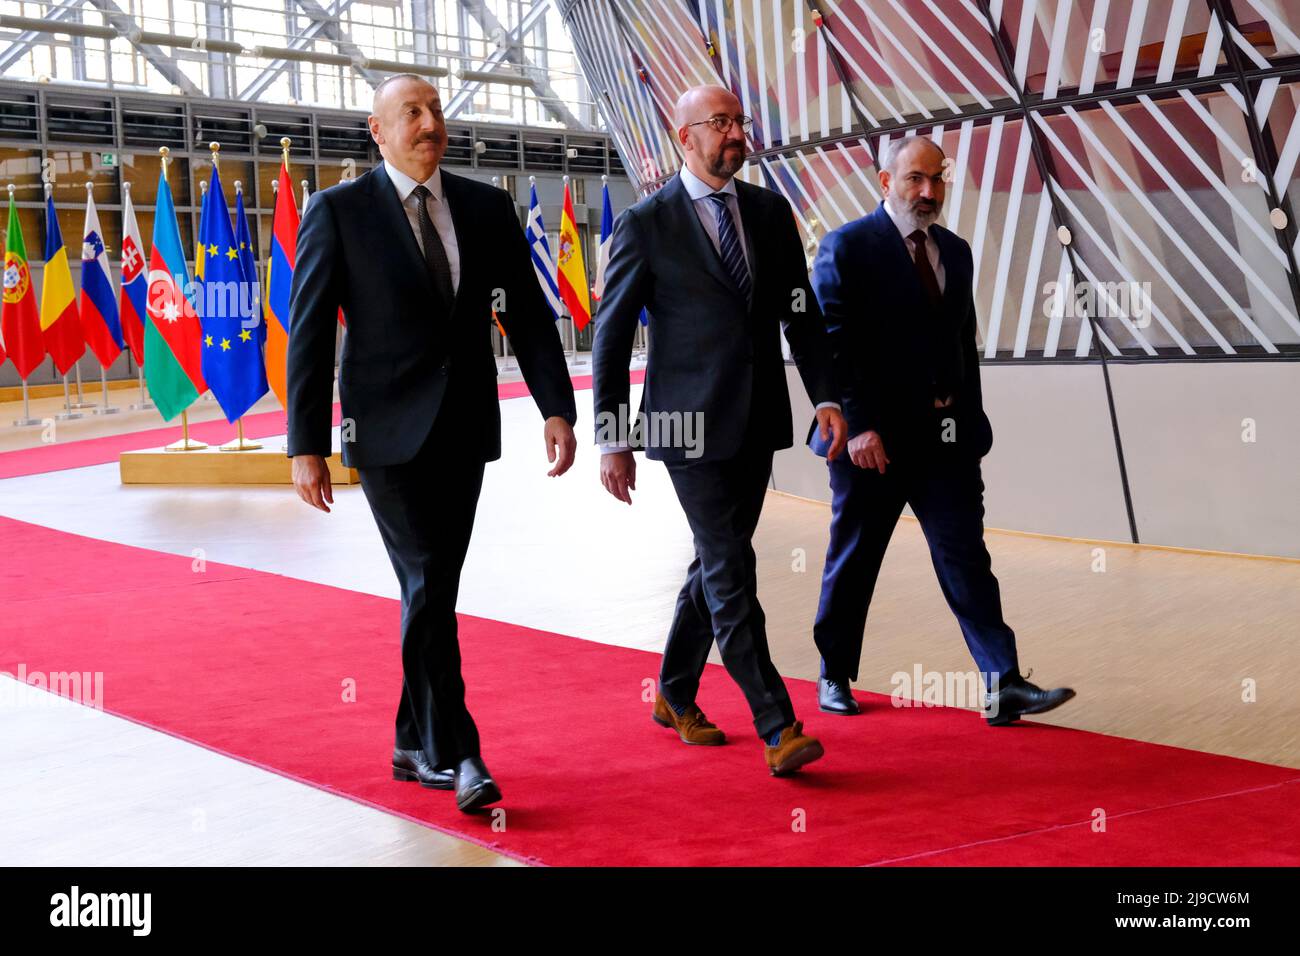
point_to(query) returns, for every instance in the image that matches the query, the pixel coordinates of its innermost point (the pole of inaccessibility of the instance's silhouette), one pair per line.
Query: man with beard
(418, 259)
(896, 292)
(719, 267)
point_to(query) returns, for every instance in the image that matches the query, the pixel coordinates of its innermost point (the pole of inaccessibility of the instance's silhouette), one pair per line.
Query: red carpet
(251, 665)
(100, 451)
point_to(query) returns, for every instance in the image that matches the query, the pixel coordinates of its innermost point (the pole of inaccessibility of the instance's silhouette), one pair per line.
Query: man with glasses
(719, 266)
(896, 290)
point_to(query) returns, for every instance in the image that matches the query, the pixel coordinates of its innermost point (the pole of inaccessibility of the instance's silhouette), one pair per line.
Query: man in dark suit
(418, 259)
(719, 266)
(896, 292)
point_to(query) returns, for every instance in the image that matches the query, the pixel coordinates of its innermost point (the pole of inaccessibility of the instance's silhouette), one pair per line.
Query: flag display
(571, 273)
(228, 310)
(543, 264)
(173, 335)
(606, 240)
(132, 295)
(279, 280)
(248, 261)
(60, 326)
(99, 319)
(19, 321)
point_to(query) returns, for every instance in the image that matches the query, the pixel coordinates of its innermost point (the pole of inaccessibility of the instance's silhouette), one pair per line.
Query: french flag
(135, 285)
(99, 322)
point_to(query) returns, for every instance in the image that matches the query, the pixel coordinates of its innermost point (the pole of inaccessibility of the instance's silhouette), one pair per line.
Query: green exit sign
(108, 160)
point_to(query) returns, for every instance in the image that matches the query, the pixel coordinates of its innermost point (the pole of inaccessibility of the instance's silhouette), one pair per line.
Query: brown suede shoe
(793, 751)
(693, 727)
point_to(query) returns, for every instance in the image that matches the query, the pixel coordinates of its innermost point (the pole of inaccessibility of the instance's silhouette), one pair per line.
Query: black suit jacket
(875, 309)
(401, 358)
(708, 353)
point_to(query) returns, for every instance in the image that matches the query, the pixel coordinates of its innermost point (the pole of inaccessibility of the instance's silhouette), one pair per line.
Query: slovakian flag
(132, 296)
(173, 366)
(571, 273)
(606, 240)
(60, 325)
(543, 264)
(230, 313)
(19, 320)
(99, 319)
(279, 280)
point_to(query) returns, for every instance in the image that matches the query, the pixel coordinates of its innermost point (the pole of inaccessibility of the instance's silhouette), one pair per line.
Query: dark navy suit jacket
(875, 309)
(709, 355)
(401, 358)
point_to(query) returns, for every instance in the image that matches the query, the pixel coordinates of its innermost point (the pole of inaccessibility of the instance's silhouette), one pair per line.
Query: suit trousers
(425, 512)
(719, 601)
(946, 492)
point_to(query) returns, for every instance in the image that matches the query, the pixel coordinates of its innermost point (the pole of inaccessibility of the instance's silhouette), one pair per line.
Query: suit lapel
(392, 219)
(751, 213)
(899, 259)
(699, 245)
(461, 221)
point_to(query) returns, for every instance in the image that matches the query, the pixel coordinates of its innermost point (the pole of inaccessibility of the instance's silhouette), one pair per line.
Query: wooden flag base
(210, 466)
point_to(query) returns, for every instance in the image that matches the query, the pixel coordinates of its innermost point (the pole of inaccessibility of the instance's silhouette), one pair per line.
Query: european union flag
(230, 311)
(247, 259)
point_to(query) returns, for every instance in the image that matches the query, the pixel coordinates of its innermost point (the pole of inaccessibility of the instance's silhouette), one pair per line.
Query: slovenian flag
(571, 273)
(279, 280)
(60, 326)
(132, 295)
(99, 319)
(543, 264)
(173, 364)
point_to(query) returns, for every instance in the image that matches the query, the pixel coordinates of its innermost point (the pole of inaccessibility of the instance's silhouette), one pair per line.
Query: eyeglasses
(723, 123)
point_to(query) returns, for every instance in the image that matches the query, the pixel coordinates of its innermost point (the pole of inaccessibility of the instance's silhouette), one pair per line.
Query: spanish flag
(60, 324)
(572, 273)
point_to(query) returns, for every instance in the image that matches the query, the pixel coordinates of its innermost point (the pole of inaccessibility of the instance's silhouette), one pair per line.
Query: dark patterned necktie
(733, 256)
(435, 255)
(924, 269)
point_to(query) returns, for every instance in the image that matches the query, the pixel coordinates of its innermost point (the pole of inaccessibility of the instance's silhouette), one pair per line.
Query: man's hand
(831, 422)
(558, 435)
(311, 479)
(868, 451)
(618, 474)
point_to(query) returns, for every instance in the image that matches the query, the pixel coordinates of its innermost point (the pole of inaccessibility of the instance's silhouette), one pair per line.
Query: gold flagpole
(186, 443)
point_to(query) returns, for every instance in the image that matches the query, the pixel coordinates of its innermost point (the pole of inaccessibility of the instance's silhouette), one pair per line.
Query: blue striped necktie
(733, 256)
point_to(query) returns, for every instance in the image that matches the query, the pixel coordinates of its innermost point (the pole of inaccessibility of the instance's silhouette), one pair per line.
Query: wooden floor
(1160, 646)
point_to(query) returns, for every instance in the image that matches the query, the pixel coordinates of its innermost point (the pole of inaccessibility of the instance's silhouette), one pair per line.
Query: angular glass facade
(1121, 170)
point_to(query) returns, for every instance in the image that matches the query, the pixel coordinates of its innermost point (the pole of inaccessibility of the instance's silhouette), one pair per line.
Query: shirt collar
(900, 226)
(406, 185)
(697, 188)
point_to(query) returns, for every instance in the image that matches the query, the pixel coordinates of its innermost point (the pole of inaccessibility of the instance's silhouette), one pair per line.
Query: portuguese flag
(20, 323)
(173, 335)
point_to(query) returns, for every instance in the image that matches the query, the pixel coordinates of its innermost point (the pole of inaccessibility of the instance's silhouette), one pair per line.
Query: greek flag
(543, 264)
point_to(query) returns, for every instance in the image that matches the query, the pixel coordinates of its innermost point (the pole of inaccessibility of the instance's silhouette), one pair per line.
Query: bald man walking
(427, 257)
(720, 268)
(896, 290)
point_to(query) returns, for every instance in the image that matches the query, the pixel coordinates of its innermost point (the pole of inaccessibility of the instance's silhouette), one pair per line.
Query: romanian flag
(279, 279)
(172, 335)
(98, 303)
(572, 274)
(19, 320)
(131, 296)
(60, 325)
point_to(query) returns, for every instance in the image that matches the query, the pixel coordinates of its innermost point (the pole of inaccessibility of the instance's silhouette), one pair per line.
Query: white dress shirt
(700, 191)
(439, 212)
(931, 247)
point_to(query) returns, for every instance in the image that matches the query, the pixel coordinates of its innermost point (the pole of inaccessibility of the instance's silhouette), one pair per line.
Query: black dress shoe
(475, 787)
(1017, 696)
(834, 697)
(413, 765)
